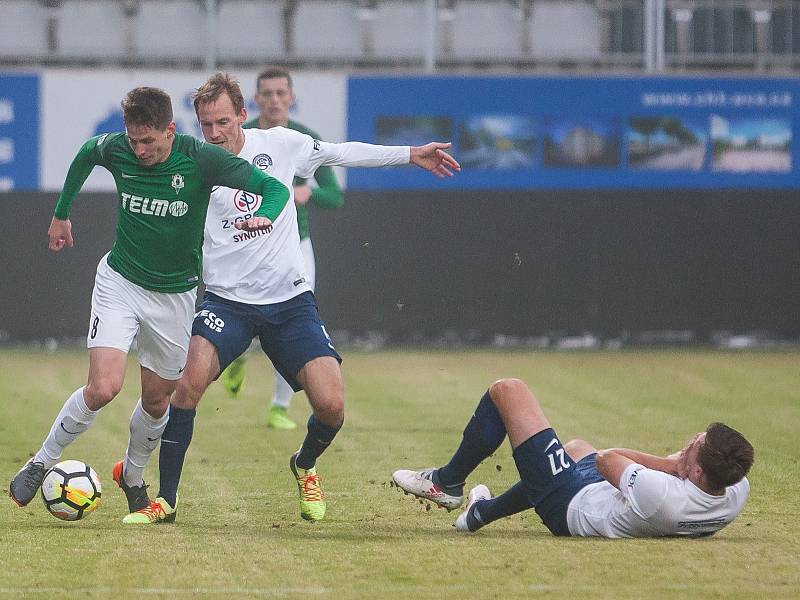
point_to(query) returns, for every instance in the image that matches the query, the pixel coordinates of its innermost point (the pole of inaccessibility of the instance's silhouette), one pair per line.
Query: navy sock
(317, 440)
(511, 502)
(174, 443)
(482, 436)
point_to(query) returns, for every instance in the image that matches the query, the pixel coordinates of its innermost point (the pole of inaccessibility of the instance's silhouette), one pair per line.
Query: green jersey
(162, 208)
(327, 194)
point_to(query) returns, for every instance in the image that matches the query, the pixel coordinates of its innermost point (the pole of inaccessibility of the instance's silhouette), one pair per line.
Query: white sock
(146, 433)
(282, 396)
(74, 418)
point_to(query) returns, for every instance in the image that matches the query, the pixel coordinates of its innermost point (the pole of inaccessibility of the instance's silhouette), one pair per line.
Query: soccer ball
(71, 490)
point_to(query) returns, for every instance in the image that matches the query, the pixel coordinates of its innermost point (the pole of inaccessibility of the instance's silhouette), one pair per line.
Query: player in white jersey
(580, 491)
(275, 97)
(256, 287)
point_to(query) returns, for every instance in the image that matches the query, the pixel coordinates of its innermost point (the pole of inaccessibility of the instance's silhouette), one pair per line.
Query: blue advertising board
(584, 132)
(19, 132)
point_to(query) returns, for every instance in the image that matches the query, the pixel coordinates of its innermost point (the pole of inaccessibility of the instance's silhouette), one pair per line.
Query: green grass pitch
(239, 534)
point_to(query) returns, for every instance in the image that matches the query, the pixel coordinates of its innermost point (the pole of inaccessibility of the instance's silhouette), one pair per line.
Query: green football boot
(312, 501)
(233, 376)
(158, 511)
(278, 418)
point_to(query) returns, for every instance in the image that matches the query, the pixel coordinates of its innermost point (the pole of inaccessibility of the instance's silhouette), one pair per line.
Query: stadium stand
(486, 30)
(24, 30)
(565, 31)
(81, 37)
(324, 28)
(503, 34)
(171, 30)
(394, 30)
(241, 22)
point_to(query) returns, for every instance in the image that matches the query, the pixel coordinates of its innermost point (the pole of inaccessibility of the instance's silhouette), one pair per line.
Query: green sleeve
(220, 167)
(328, 194)
(79, 170)
(274, 195)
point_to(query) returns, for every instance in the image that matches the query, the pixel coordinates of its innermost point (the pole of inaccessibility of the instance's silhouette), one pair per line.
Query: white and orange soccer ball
(71, 490)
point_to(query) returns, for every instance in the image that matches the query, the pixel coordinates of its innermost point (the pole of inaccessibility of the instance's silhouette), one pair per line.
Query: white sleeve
(645, 489)
(316, 153)
(739, 491)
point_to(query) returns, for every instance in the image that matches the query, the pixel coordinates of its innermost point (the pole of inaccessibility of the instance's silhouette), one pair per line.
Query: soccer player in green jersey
(275, 96)
(145, 287)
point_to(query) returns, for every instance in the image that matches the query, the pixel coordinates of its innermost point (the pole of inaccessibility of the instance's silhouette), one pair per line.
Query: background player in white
(579, 491)
(145, 287)
(274, 97)
(256, 287)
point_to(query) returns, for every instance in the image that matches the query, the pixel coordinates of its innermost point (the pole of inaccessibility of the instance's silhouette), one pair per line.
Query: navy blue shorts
(551, 478)
(291, 332)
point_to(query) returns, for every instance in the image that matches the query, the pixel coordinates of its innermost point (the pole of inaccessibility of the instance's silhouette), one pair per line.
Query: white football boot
(479, 492)
(420, 484)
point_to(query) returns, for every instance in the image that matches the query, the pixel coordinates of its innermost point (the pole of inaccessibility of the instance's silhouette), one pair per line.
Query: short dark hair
(147, 106)
(215, 86)
(274, 73)
(725, 456)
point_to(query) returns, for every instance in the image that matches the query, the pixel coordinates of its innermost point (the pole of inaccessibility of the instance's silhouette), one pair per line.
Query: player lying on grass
(580, 491)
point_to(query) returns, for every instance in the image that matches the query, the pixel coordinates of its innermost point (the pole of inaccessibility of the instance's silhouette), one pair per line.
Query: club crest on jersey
(246, 202)
(263, 161)
(177, 182)
(178, 208)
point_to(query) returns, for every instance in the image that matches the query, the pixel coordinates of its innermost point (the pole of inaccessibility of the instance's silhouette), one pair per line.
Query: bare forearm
(650, 461)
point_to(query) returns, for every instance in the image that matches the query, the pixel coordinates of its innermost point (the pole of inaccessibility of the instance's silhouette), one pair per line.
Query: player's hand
(302, 194)
(432, 157)
(673, 464)
(255, 224)
(681, 458)
(59, 234)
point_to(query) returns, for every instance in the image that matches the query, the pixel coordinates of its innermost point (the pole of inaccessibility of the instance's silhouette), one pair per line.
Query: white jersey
(266, 267)
(650, 503)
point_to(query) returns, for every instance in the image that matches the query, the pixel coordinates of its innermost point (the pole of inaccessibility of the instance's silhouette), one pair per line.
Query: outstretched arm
(432, 157)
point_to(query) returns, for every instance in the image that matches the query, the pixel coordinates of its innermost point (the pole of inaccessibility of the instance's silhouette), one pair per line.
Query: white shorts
(160, 323)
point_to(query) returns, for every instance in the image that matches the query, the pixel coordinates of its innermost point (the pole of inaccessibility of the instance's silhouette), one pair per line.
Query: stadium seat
(250, 30)
(327, 29)
(482, 29)
(171, 29)
(93, 29)
(396, 29)
(795, 27)
(23, 29)
(565, 30)
(781, 30)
